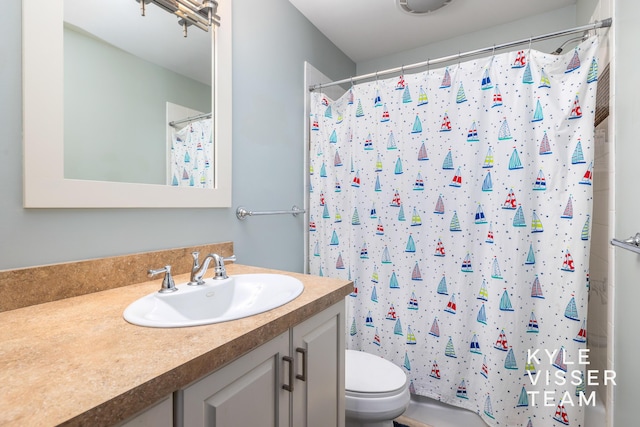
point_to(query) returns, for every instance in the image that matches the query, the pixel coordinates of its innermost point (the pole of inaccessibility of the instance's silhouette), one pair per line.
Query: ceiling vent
(421, 7)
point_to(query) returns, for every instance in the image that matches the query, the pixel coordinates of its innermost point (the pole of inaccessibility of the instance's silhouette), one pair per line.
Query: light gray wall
(627, 205)
(271, 42)
(521, 29)
(122, 136)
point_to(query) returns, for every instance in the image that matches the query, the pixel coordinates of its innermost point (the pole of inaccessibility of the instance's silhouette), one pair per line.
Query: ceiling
(367, 29)
(156, 37)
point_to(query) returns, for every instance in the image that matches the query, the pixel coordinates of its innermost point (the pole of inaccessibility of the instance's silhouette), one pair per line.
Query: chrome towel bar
(242, 213)
(632, 243)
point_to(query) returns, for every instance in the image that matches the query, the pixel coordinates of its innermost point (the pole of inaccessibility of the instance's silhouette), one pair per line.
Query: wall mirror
(72, 139)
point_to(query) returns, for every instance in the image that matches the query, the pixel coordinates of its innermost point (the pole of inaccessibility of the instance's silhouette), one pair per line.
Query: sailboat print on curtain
(504, 132)
(415, 218)
(582, 333)
(592, 76)
(466, 264)
(474, 345)
(520, 60)
(482, 315)
(422, 97)
(510, 360)
(536, 289)
(456, 181)
(439, 209)
(435, 328)
(483, 294)
(486, 80)
(515, 162)
(439, 249)
(435, 371)
(442, 286)
(523, 400)
(510, 202)
(446, 80)
(537, 115)
(585, 230)
(472, 135)
(561, 414)
(505, 302)
(576, 111)
(462, 390)
(497, 98)
(532, 327)
(488, 409)
(448, 161)
(450, 350)
(545, 147)
(513, 248)
(574, 64)
(451, 305)
(415, 273)
(446, 123)
(487, 184)
(406, 95)
(461, 97)
(527, 77)
(489, 238)
(577, 157)
(571, 311)
(422, 153)
(544, 80)
(501, 343)
(568, 209)
(588, 175)
(417, 126)
(531, 257)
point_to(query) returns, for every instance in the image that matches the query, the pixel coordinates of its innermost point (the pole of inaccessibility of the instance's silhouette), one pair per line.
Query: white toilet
(377, 391)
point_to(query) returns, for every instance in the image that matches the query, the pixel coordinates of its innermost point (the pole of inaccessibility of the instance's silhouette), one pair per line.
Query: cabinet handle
(302, 351)
(289, 387)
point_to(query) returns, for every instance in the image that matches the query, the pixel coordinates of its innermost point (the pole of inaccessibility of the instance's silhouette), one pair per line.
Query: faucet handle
(168, 285)
(220, 271)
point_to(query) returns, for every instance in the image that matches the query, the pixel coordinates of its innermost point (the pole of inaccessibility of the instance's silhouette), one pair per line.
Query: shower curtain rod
(190, 119)
(598, 24)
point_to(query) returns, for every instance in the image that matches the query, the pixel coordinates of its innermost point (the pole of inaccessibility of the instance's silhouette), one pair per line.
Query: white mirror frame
(43, 133)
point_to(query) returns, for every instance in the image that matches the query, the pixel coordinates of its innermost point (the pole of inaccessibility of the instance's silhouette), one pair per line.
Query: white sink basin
(215, 301)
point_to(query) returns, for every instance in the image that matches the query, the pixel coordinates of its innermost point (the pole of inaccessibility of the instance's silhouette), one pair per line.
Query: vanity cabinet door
(318, 347)
(247, 392)
(158, 415)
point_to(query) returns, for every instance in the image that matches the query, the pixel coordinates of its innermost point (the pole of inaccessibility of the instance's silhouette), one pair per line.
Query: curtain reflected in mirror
(122, 72)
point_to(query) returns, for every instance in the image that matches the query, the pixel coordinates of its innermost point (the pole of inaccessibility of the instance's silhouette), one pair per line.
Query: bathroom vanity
(76, 361)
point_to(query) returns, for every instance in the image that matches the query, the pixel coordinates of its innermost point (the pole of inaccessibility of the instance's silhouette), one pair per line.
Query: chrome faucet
(198, 271)
(168, 285)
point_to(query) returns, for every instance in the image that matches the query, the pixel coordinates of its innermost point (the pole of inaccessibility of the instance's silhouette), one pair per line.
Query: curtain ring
(351, 78)
(402, 70)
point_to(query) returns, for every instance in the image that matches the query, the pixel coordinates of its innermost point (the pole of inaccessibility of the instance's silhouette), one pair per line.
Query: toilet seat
(375, 389)
(368, 373)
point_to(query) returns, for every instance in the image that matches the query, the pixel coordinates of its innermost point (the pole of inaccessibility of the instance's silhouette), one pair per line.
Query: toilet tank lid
(368, 373)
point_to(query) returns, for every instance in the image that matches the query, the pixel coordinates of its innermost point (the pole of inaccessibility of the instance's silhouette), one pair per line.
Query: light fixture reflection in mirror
(44, 182)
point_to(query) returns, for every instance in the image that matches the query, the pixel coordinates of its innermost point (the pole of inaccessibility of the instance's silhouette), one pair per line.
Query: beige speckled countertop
(76, 361)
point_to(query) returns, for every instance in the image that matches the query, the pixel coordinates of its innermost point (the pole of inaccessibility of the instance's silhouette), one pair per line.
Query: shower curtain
(458, 200)
(192, 155)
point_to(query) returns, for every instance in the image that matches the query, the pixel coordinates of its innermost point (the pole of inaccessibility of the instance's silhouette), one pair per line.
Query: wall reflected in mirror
(125, 78)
